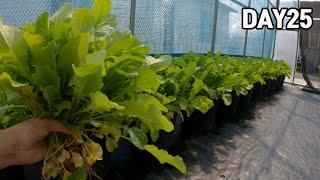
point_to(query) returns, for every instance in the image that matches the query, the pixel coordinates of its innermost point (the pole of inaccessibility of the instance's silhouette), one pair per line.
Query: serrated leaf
(197, 86)
(164, 157)
(147, 81)
(101, 103)
(149, 110)
(202, 103)
(87, 79)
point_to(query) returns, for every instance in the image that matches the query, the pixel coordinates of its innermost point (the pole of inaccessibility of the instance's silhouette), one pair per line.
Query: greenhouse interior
(159, 89)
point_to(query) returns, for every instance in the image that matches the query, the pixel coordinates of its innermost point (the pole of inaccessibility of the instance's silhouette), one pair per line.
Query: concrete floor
(281, 140)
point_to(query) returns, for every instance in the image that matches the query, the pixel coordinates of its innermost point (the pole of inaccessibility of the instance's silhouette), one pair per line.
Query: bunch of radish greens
(75, 67)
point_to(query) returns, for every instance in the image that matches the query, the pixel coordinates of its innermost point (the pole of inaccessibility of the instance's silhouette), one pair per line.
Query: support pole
(264, 37)
(214, 28)
(133, 16)
(246, 37)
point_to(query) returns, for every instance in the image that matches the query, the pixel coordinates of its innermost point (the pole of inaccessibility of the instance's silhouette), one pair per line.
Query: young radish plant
(73, 66)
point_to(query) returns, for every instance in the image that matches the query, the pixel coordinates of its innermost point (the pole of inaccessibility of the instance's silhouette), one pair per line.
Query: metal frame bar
(298, 50)
(214, 28)
(264, 36)
(246, 37)
(240, 3)
(133, 16)
(275, 32)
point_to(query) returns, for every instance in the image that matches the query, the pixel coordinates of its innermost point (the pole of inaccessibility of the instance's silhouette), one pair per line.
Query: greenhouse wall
(168, 26)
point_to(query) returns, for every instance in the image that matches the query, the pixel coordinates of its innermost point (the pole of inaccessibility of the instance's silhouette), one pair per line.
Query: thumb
(56, 126)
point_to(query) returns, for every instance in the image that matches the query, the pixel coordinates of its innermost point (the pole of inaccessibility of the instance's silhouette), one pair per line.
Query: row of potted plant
(74, 66)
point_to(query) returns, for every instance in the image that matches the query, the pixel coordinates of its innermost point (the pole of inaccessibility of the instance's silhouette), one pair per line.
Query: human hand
(24, 143)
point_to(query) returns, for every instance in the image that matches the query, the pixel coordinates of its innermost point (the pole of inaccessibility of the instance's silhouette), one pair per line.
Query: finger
(56, 126)
(31, 156)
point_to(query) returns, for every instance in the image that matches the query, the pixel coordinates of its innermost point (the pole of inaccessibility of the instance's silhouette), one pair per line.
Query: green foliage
(74, 66)
(164, 157)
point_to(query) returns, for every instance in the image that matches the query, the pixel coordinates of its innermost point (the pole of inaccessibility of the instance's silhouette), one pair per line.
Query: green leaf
(227, 99)
(63, 13)
(79, 174)
(137, 137)
(82, 22)
(147, 81)
(6, 82)
(101, 103)
(97, 57)
(73, 53)
(48, 81)
(14, 47)
(122, 42)
(154, 135)
(42, 24)
(100, 10)
(164, 157)
(197, 86)
(87, 79)
(149, 110)
(62, 106)
(159, 64)
(202, 103)
(111, 144)
(3, 98)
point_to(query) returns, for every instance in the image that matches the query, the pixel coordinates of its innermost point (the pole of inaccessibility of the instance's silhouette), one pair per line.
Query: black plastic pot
(280, 81)
(14, 172)
(122, 158)
(174, 140)
(199, 122)
(257, 91)
(229, 113)
(266, 88)
(273, 86)
(33, 172)
(102, 167)
(244, 103)
(209, 120)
